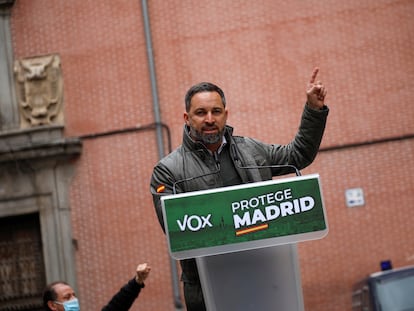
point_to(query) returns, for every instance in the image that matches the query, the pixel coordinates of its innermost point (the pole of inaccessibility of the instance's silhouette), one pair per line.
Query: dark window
(22, 273)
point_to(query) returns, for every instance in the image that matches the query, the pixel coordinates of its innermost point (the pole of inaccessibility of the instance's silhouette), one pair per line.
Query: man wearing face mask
(59, 296)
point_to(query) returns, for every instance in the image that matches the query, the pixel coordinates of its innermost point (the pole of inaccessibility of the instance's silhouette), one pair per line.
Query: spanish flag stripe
(252, 229)
(160, 188)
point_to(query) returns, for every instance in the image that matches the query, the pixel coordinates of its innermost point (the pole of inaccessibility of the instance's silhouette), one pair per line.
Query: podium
(244, 239)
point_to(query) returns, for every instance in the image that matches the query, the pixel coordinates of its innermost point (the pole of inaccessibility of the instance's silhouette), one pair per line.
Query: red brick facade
(262, 54)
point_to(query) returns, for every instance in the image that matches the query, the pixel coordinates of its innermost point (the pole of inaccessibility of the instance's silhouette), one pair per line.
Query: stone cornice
(37, 143)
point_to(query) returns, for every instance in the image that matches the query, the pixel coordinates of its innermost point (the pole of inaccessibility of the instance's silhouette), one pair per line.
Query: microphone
(237, 161)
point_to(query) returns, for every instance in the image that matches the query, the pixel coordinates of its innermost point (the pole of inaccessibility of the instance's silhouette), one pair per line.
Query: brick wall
(262, 54)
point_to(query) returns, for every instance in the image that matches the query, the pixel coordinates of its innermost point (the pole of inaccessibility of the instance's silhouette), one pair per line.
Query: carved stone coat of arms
(39, 89)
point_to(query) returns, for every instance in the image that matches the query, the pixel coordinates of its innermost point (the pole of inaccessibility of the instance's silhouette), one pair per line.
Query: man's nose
(209, 118)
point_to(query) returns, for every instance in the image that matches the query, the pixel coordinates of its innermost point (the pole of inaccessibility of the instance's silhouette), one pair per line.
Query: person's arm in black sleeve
(126, 296)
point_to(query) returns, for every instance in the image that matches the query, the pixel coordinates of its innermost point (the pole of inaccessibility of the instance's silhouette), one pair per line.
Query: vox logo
(194, 222)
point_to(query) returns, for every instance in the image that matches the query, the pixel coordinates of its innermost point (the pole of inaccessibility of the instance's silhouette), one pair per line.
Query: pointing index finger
(314, 74)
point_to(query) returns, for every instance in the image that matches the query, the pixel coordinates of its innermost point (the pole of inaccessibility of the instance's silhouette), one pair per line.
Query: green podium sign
(248, 216)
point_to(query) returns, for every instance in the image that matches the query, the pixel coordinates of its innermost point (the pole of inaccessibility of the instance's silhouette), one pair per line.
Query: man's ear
(51, 305)
(186, 118)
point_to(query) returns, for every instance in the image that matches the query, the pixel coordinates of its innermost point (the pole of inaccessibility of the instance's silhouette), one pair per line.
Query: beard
(206, 139)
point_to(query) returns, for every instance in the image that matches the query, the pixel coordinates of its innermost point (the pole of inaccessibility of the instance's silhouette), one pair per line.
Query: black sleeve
(126, 296)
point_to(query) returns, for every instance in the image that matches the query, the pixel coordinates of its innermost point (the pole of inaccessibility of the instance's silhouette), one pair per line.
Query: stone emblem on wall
(39, 87)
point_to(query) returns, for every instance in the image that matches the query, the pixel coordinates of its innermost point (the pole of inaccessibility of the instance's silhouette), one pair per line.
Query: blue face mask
(71, 305)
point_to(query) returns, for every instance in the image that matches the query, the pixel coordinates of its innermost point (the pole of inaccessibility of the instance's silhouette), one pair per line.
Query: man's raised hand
(315, 92)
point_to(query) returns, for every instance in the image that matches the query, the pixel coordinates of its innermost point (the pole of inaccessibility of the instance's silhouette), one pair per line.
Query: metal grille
(22, 274)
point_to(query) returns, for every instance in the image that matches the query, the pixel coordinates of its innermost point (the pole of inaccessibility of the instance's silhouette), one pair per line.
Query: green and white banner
(248, 216)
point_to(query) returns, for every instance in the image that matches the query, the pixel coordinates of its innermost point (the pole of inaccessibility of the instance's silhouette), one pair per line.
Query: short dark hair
(202, 87)
(49, 293)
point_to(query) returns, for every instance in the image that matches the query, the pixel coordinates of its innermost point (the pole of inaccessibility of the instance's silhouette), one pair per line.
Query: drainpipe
(161, 153)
